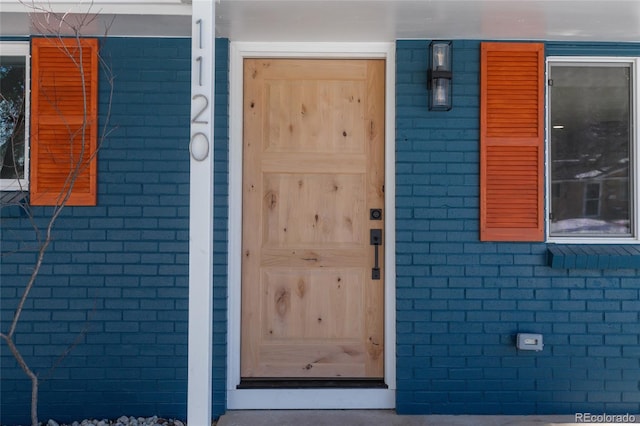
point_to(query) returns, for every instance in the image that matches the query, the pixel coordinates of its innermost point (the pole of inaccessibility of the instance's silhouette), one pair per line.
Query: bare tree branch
(56, 25)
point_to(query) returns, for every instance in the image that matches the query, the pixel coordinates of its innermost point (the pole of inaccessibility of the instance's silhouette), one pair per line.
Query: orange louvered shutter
(64, 113)
(512, 142)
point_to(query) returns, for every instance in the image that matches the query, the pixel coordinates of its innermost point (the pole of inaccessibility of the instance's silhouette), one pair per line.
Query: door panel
(313, 168)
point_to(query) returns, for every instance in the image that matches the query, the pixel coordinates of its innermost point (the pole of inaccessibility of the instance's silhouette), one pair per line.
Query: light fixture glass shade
(441, 56)
(439, 76)
(441, 94)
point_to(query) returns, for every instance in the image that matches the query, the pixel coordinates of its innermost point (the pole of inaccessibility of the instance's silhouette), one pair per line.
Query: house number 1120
(199, 144)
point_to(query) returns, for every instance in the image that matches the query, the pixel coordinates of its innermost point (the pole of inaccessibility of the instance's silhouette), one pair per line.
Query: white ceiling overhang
(347, 20)
(384, 20)
(171, 18)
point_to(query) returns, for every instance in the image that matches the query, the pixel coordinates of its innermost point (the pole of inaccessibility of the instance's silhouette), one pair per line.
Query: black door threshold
(285, 383)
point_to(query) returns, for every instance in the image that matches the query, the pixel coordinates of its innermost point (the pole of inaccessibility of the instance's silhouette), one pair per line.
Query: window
(591, 149)
(48, 135)
(587, 145)
(14, 119)
(592, 199)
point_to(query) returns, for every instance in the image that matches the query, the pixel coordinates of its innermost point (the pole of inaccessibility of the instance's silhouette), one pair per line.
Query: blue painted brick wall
(220, 231)
(117, 273)
(461, 302)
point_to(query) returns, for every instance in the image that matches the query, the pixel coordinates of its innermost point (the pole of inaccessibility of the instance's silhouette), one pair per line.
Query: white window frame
(634, 187)
(20, 48)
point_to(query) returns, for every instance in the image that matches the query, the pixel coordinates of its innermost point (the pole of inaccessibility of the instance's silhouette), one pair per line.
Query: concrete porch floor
(381, 418)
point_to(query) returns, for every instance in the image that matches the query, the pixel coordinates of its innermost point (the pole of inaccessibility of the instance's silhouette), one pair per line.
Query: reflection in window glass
(12, 118)
(592, 200)
(590, 149)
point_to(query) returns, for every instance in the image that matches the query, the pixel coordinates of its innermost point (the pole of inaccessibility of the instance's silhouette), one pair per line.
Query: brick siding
(461, 302)
(120, 270)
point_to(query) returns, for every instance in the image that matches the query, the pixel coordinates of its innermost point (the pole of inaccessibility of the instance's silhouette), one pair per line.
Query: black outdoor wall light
(439, 76)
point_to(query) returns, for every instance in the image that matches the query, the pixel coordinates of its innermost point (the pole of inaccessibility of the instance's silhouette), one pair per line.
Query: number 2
(196, 119)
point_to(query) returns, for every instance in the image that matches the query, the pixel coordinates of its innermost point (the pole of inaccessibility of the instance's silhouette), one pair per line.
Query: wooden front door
(313, 168)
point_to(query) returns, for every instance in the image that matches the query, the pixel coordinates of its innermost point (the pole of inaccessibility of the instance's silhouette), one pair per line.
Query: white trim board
(242, 399)
(201, 188)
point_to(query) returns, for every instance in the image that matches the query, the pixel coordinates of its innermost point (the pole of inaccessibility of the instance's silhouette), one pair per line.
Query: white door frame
(238, 399)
